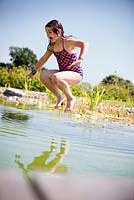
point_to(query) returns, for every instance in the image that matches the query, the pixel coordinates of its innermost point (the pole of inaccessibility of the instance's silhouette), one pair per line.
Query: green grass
(118, 103)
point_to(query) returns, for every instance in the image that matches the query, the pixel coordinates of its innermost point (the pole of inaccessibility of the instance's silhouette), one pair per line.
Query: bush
(113, 92)
(15, 77)
(81, 90)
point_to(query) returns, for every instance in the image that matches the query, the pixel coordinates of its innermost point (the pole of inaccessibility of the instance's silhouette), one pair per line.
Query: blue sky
(107, 25)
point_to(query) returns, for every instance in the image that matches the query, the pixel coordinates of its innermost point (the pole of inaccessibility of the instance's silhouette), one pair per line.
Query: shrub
(15, 77)
(113, 92)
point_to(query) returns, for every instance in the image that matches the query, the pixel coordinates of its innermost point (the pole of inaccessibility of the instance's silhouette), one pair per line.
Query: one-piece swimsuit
(65, 59)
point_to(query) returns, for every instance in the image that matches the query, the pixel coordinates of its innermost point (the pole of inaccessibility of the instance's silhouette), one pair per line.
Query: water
(54, 141)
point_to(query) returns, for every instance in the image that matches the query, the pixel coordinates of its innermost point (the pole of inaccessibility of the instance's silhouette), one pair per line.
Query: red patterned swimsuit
(65, 59)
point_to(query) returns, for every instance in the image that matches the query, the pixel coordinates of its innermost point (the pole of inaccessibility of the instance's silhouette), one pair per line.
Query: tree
(117, 81)
(22, 56)
(117, 88)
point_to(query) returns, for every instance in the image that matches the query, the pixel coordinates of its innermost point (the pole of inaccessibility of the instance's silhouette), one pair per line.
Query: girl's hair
(55, 25)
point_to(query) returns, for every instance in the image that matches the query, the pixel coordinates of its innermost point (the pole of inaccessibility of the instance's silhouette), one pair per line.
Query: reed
(91, 99)
(95, 97)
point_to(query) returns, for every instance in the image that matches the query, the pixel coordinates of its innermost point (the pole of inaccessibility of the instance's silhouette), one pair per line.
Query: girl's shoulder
(69, 42)
(69, 39)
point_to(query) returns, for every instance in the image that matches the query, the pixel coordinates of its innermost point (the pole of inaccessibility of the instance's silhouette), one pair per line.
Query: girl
(70, 72)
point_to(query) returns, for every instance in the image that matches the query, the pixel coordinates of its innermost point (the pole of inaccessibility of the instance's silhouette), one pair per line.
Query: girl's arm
(39, 64)
(83, 45)
(43, 60)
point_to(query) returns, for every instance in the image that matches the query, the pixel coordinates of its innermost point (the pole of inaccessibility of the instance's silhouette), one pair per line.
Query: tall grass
(91, 99)
(95, 97)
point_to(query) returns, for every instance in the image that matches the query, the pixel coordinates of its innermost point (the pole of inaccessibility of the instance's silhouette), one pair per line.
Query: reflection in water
(14, 115)
(46, 161)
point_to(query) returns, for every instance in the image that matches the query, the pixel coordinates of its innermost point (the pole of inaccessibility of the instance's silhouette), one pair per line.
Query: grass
(119, 103)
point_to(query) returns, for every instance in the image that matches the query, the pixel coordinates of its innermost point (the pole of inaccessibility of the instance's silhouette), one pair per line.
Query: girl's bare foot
(59, 102)
(70, 105)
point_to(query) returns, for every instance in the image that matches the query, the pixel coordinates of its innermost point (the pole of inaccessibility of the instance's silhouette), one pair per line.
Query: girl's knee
(49, 75)
(43, 76)
(55, 78)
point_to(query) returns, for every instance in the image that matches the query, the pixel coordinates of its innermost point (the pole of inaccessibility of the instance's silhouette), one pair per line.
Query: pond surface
(54, 141)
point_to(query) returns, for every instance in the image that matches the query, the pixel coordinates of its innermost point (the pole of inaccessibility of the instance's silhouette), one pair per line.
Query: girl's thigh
(48, 73)
(71, 77)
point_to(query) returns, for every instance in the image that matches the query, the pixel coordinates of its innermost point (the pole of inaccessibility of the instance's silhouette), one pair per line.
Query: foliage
(95, 97)
(15, 77)
(51, 96)
(34, 84)
(117, 88)
(118, 103)
(113, 92)
(4, 76)
(91, 99)
(22, 56)
(81, 89)
(120, 90)
(117, 81)
(5, 64)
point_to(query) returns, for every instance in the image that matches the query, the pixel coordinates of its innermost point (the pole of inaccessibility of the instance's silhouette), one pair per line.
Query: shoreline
(104, 111)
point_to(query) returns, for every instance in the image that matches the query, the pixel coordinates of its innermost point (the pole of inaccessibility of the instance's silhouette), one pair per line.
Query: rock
(13, 92)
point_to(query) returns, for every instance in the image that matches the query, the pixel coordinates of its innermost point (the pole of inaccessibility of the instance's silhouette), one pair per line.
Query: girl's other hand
(75, 64)
(30, 75)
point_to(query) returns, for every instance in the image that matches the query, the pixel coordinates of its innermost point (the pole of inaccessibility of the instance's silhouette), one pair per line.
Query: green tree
(117, 81)
(113, 92)
(22, 56)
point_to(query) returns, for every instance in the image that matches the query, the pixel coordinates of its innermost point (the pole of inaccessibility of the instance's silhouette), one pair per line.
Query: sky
(107, 26)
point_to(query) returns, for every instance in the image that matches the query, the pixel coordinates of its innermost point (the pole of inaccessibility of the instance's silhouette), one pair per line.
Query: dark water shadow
(13, 123)
(49, 160)
(15, 116)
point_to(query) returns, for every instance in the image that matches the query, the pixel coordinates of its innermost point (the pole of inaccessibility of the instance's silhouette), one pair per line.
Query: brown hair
(55, 25)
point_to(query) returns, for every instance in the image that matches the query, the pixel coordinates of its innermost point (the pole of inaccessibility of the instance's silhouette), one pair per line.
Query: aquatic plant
(91, 99)
(95, 97)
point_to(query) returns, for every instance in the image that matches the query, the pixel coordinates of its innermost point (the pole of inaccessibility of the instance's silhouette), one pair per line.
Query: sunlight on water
(54, 141)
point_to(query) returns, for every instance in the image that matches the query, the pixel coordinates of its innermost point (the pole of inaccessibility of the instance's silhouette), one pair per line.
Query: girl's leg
(46, 79)
(63, 80)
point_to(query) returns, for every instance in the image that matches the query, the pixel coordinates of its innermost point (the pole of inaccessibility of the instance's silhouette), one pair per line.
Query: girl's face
(51, 35)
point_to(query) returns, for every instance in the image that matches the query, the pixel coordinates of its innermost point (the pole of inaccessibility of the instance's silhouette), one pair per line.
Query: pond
(57, 142)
